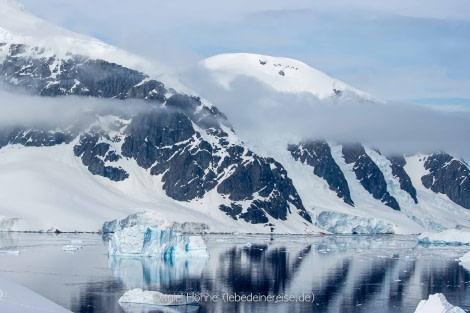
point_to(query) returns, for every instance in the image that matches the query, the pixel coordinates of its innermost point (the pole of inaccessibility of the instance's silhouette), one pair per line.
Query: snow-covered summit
(281, 74)
(18, 26)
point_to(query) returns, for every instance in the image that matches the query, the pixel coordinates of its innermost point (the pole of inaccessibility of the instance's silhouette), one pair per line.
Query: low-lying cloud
(264, 117)
(23, 110)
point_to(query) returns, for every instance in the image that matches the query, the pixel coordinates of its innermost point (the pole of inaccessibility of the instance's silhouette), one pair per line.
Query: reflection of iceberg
(148, 308)
(437, 303)
(140, 240)
(140, 272)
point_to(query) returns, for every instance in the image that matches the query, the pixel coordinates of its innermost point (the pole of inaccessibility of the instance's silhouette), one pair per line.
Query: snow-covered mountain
(281, 74)
(154, 147)
(352, 188)
(176, 155)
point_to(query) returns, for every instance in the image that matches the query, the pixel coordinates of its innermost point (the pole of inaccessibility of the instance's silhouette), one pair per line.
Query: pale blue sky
(414, 52)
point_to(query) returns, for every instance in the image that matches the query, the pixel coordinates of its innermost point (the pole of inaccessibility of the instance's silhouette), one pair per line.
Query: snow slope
(40, 196)
(281, 74)
(19, 26)
(16, 298)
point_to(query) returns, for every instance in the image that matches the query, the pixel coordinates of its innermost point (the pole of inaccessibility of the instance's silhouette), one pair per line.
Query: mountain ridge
(180, 157)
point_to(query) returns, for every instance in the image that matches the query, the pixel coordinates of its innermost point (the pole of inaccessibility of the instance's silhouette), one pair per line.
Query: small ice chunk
(465, 261)
(71, 248)
(452, 237)
(74, 246)
(140, 296)
(437, 303)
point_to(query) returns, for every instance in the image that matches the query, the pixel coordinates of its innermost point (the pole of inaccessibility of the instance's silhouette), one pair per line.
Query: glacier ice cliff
(341, 223)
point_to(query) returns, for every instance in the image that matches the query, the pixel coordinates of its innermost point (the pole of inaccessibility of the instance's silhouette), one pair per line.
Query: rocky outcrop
(397, 163)
(448, 176)
(369, 174)
(318, 155)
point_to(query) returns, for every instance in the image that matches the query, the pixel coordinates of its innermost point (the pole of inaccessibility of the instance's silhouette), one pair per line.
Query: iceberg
(148, 241)
(341, 223)
(453, 237)
(465, 261)
(9, 224)
(437, 303)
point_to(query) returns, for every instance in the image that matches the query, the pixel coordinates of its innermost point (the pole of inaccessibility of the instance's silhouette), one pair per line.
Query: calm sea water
(273, 274)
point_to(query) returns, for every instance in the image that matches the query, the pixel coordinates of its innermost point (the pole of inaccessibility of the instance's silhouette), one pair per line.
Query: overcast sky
(415, 51)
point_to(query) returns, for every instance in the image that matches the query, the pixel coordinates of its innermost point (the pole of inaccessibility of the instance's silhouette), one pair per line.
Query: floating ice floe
(437, 303)
(147, 241)
(452, 237)
(74, 246)
(465, 261)
(140, 296)
(11, 252)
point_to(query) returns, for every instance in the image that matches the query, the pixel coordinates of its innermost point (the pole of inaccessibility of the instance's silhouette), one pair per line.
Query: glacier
(437, 303)
(454, 237)
(342, 223)
(145, 241)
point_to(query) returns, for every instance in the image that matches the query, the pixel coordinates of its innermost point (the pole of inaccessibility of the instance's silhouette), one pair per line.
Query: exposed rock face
(36, 70)
(397, 164)
(94, 154)
(318, 155)
(369, 174)
(189, 144)
(449, 176)
(34, 137)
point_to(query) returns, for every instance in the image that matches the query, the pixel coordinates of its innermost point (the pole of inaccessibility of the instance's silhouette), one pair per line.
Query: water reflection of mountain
(345, 273)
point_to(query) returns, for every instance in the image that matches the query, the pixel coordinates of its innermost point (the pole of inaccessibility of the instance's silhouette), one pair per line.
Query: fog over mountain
(263, 116)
